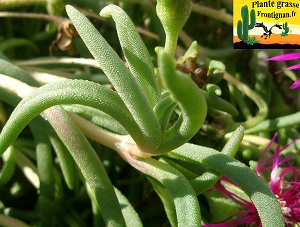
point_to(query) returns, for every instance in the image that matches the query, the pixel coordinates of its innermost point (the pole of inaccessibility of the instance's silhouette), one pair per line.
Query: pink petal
(295, 84)
(261, 163)
(284, 57)
(289, 68)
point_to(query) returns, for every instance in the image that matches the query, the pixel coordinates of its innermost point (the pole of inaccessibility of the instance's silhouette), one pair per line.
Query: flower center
(286, 210)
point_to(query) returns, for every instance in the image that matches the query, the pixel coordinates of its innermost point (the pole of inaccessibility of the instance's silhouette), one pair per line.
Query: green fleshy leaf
(122, 80)
(173, 15)
(135, 52)
(189, 99)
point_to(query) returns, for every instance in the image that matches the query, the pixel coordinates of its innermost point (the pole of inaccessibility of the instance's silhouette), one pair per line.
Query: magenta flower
(295, 84)
(284, 183)
(287, 57)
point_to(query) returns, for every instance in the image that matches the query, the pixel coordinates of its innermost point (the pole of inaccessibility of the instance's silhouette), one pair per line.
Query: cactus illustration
(286, 29)
(242, 26)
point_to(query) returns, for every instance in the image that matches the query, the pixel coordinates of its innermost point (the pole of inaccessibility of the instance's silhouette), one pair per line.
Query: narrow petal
(296, 84)
(289, 68)
(284, 57)
(261, 163)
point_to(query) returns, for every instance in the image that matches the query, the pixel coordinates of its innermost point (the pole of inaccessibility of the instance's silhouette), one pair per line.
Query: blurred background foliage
(36, 34)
